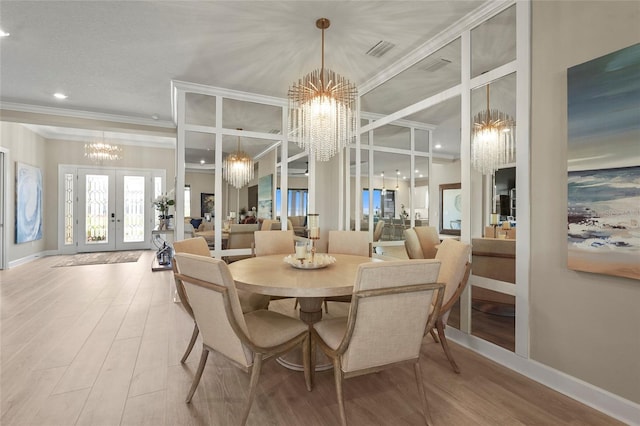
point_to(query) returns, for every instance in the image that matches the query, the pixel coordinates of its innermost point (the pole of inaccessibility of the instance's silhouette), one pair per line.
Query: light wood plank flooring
(101, 344)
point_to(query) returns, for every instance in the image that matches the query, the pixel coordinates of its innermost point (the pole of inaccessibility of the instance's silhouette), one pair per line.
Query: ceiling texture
(116, 59)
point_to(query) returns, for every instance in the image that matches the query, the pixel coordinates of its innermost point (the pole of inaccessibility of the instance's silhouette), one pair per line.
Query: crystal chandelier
(237, 167)
(493, 145)
(322, 119)
(102, 151)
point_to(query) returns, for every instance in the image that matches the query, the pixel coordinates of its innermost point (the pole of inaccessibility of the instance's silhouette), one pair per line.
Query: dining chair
(268, 242)
(421, 242)
(454, 273)
(248, 301)
(386, 323)
(240, 236)
(347, 242)
(243, 338)
(377, 234)
(269, 225)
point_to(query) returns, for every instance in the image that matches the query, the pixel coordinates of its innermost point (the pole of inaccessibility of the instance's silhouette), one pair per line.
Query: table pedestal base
(293, 361)
(310, 313)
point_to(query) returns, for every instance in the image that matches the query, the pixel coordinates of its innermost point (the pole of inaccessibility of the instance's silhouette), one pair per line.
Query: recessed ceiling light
(60, 95)
(155, 116)
(417, 171)
(421, 176)
(438, 146)
(4, 34)
(201, 161)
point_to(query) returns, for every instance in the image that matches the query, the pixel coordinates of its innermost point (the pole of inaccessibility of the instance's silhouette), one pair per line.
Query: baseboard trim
(602, 400)
(31, 258)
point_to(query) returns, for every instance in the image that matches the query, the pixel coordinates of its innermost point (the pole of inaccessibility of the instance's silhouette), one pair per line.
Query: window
(297, 200)
(384, 204)
(187, 201)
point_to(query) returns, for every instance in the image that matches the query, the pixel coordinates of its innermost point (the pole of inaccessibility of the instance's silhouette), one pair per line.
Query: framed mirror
(450, 208)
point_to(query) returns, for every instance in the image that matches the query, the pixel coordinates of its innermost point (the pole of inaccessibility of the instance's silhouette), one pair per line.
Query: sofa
(200, 228)
(298, 224)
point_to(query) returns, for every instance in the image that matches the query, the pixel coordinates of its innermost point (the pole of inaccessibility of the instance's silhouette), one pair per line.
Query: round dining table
(272, 276)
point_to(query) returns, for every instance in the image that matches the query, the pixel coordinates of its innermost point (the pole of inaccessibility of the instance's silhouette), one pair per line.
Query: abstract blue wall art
(603, 229)
(28, 203)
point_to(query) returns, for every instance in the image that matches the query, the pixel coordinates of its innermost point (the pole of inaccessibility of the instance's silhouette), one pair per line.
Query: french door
(114, 211)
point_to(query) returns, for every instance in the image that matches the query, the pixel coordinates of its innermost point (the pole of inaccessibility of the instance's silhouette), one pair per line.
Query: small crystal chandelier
(322, 119)
(493, 144)
(237, 167)
(102, 151)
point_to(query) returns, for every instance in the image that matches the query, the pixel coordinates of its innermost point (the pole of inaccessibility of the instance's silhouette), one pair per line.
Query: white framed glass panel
(200, 109)
(493, 43)
(251, 116)
(431, 75)
(392, 136)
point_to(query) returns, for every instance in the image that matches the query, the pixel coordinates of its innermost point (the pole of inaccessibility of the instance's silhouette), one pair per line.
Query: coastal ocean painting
(604, 164)
(28, 203)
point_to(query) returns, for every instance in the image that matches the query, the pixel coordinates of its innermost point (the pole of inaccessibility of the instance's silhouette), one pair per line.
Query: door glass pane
(68, 209)
(96, 209)
(134, 209)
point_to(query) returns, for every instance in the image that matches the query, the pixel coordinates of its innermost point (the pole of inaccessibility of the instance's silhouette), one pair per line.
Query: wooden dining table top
(271, 275)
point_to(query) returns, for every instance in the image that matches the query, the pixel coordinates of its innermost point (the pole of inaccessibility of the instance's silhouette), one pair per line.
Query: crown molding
(85, 115)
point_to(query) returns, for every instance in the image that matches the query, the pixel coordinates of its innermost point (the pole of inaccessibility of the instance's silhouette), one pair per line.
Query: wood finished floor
(101, 344)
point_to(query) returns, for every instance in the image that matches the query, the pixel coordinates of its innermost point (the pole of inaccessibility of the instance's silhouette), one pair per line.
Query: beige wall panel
(26, 147)
(586, 325)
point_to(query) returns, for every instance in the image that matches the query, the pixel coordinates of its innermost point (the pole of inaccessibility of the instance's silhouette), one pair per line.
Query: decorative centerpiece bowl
(320, 260)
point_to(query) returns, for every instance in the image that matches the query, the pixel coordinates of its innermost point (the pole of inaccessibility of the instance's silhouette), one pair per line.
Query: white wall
(585, 325)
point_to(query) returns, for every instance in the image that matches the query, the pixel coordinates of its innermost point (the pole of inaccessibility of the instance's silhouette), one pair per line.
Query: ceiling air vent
(432, 65)
(380, 48)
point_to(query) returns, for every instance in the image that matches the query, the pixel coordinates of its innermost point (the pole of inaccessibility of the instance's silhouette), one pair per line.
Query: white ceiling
(119, 57)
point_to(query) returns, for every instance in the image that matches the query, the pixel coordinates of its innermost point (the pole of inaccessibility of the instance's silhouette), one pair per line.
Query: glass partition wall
(415, 137)
(417, 126)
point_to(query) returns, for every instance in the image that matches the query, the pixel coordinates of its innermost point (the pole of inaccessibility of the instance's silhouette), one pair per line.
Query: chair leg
(196, 378)
(312, 358)
(295, 305)
(435, 337)
(337, 374)
(423, 394)
(253, 385)
(326, 307)
(194, 337)
(306, 362)
(445, 346)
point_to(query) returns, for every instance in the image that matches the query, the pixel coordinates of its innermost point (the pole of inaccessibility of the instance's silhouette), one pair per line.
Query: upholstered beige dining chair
(454, 273)
(244, 338)
(387, 320)
(420, 242)
(347, 242)
(268, 242)
(270, 225)
(377, 234)
(248, 301)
